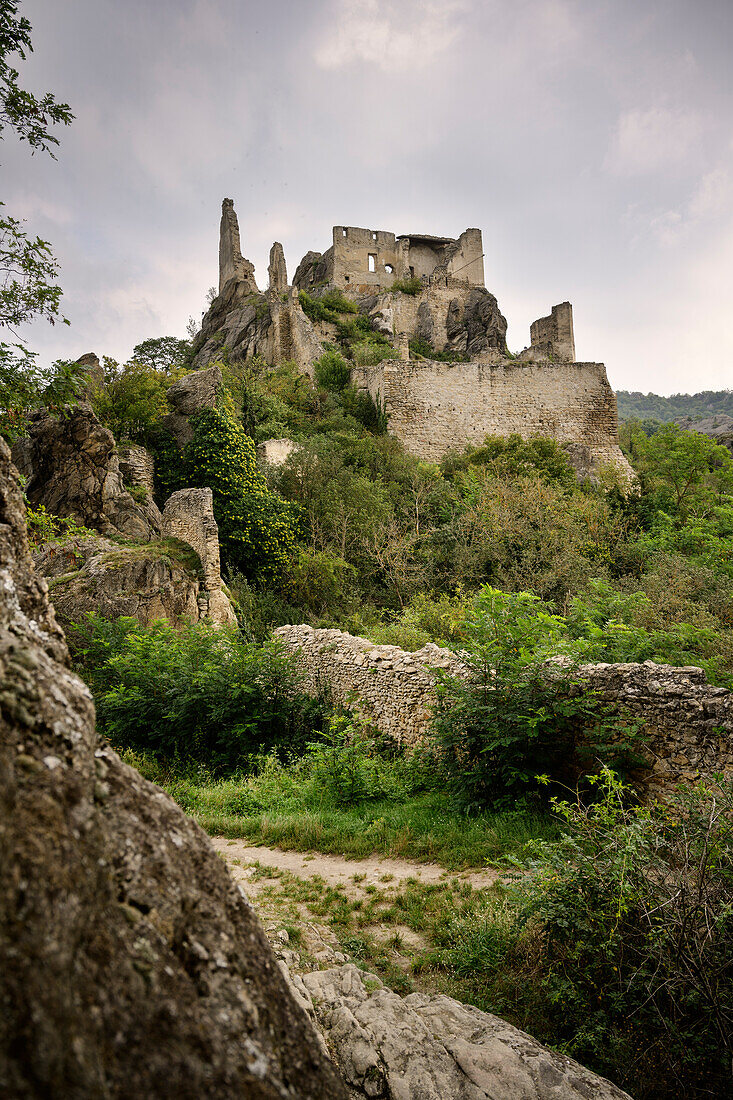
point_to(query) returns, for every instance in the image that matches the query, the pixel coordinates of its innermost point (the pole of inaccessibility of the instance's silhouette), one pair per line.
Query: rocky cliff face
(130, 964)
(73, 470)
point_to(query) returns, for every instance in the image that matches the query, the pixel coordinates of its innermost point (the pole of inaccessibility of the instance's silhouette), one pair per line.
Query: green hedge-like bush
(199, 694)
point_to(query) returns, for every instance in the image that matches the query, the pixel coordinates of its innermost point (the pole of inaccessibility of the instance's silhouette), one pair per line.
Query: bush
(513, 719)
(628, 920)
(199, 694)
(407, 286)
(256, 526)
(332, 371)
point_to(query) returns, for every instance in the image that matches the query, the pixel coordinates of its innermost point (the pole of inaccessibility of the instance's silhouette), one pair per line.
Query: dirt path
(337, 871)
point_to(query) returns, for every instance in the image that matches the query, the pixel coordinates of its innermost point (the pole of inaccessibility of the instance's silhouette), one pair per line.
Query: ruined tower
(232, 264)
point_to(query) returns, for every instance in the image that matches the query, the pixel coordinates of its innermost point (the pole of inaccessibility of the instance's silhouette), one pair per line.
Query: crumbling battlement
(689, 722)
(431, 405)
(362, 261)
(553, 336)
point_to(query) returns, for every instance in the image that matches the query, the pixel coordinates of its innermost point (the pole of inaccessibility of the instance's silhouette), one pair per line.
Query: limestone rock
(189, 515)
(75, 472)
(130, 963)
(137, 467)
(312, 269)
(190, 395)
(233, 267)
(277, 270)
(424, 1047)
(276, 452)
(149, 582)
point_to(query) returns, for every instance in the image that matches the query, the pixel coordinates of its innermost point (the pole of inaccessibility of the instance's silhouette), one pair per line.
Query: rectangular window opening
(372, 262)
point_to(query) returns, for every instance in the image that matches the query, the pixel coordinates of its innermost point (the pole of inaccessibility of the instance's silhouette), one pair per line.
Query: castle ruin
(452, 380)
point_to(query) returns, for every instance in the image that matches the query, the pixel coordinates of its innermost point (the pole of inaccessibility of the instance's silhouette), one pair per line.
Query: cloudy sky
(590, 140)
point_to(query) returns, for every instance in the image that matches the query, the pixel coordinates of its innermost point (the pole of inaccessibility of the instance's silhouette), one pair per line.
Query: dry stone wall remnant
(688, 721)
(189, 516)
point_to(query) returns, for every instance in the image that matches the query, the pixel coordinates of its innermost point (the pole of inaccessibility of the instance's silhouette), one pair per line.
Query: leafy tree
(28, 270)
(689, 471)
(256, 526)
(131, 400)
(162, 353)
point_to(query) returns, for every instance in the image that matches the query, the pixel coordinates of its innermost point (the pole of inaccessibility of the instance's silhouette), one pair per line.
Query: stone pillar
(277, 270)
(232, 264)
(189, 516)
(403, 346)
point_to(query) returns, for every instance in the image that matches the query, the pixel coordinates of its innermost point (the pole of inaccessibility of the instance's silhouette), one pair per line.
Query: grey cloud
(591, 142)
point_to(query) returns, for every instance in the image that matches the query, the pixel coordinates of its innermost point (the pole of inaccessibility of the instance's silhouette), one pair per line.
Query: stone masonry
(688, 721)
(434, 407)
(189, 516)
(431, 405)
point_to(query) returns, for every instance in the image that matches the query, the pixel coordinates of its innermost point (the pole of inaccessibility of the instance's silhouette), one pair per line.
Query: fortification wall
(433, 407)
(688, 721)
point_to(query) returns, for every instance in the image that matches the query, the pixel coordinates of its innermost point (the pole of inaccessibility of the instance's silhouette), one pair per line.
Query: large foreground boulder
(130, 963)
(424, 1047)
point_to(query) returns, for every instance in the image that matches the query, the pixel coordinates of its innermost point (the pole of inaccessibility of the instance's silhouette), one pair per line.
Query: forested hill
(650, 406)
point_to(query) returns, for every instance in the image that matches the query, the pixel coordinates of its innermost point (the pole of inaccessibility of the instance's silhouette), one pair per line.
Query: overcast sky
(590, 140)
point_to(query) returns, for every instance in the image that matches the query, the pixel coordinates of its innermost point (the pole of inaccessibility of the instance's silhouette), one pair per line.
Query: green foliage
(685, 470)
(44, 527)
(332, 371)
(402, 810)
(410, 286)
(653, 407)
(256, 526)
(513, 718)
(131, 401)
(30, 117)
(421, 349)
(28, 273)
(328, 307)
(200, 693)
(163, 353)
(24, 387)
(625, 925)
(512, 456)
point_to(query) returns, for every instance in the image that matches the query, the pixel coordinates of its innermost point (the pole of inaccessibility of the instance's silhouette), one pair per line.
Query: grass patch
(286, 807)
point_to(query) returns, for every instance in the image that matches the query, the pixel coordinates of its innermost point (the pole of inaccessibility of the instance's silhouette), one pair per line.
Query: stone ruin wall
(188, 515)
(689, 722)
(435, 407)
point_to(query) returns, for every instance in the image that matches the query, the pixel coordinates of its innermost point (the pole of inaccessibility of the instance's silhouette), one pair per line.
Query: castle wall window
(372, 262)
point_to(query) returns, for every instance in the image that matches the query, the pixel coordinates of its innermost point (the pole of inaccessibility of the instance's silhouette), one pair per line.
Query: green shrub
(423, 350)
(627, 925)
(198, 694)
(513, 720)
(332, 371)
(327, 307)
(256, 526)
(412, 286)
(43, 527)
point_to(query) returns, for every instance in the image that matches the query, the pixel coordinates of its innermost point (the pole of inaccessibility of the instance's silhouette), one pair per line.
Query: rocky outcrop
(190, 395)
(130, 963)
(73, 470)
(137, 467)
(189, 516)
(688, 722)
(424, 1047)
(276, 452)
(277, 270)
(233, 267)
(718, 427)
(158, 580)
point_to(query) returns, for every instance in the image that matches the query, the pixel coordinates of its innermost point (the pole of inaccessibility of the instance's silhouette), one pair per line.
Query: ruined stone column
(232, 264)
(189, 516)
(277, 270)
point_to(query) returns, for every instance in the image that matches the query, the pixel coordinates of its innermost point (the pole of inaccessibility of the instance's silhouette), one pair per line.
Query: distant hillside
(650, 406)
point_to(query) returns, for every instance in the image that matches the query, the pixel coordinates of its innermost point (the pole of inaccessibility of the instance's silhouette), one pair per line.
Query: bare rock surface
(190, 395)
(74, 471)
(431, 1047)
(95, 575)
(130, 963)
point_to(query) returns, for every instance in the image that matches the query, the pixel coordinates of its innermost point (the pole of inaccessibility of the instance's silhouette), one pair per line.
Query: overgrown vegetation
(650, 406)
(195, 695)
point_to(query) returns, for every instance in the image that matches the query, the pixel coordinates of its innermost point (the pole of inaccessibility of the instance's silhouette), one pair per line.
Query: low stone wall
(689, 722)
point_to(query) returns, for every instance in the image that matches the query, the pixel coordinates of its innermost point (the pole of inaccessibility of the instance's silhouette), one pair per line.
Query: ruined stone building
(425, 291)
